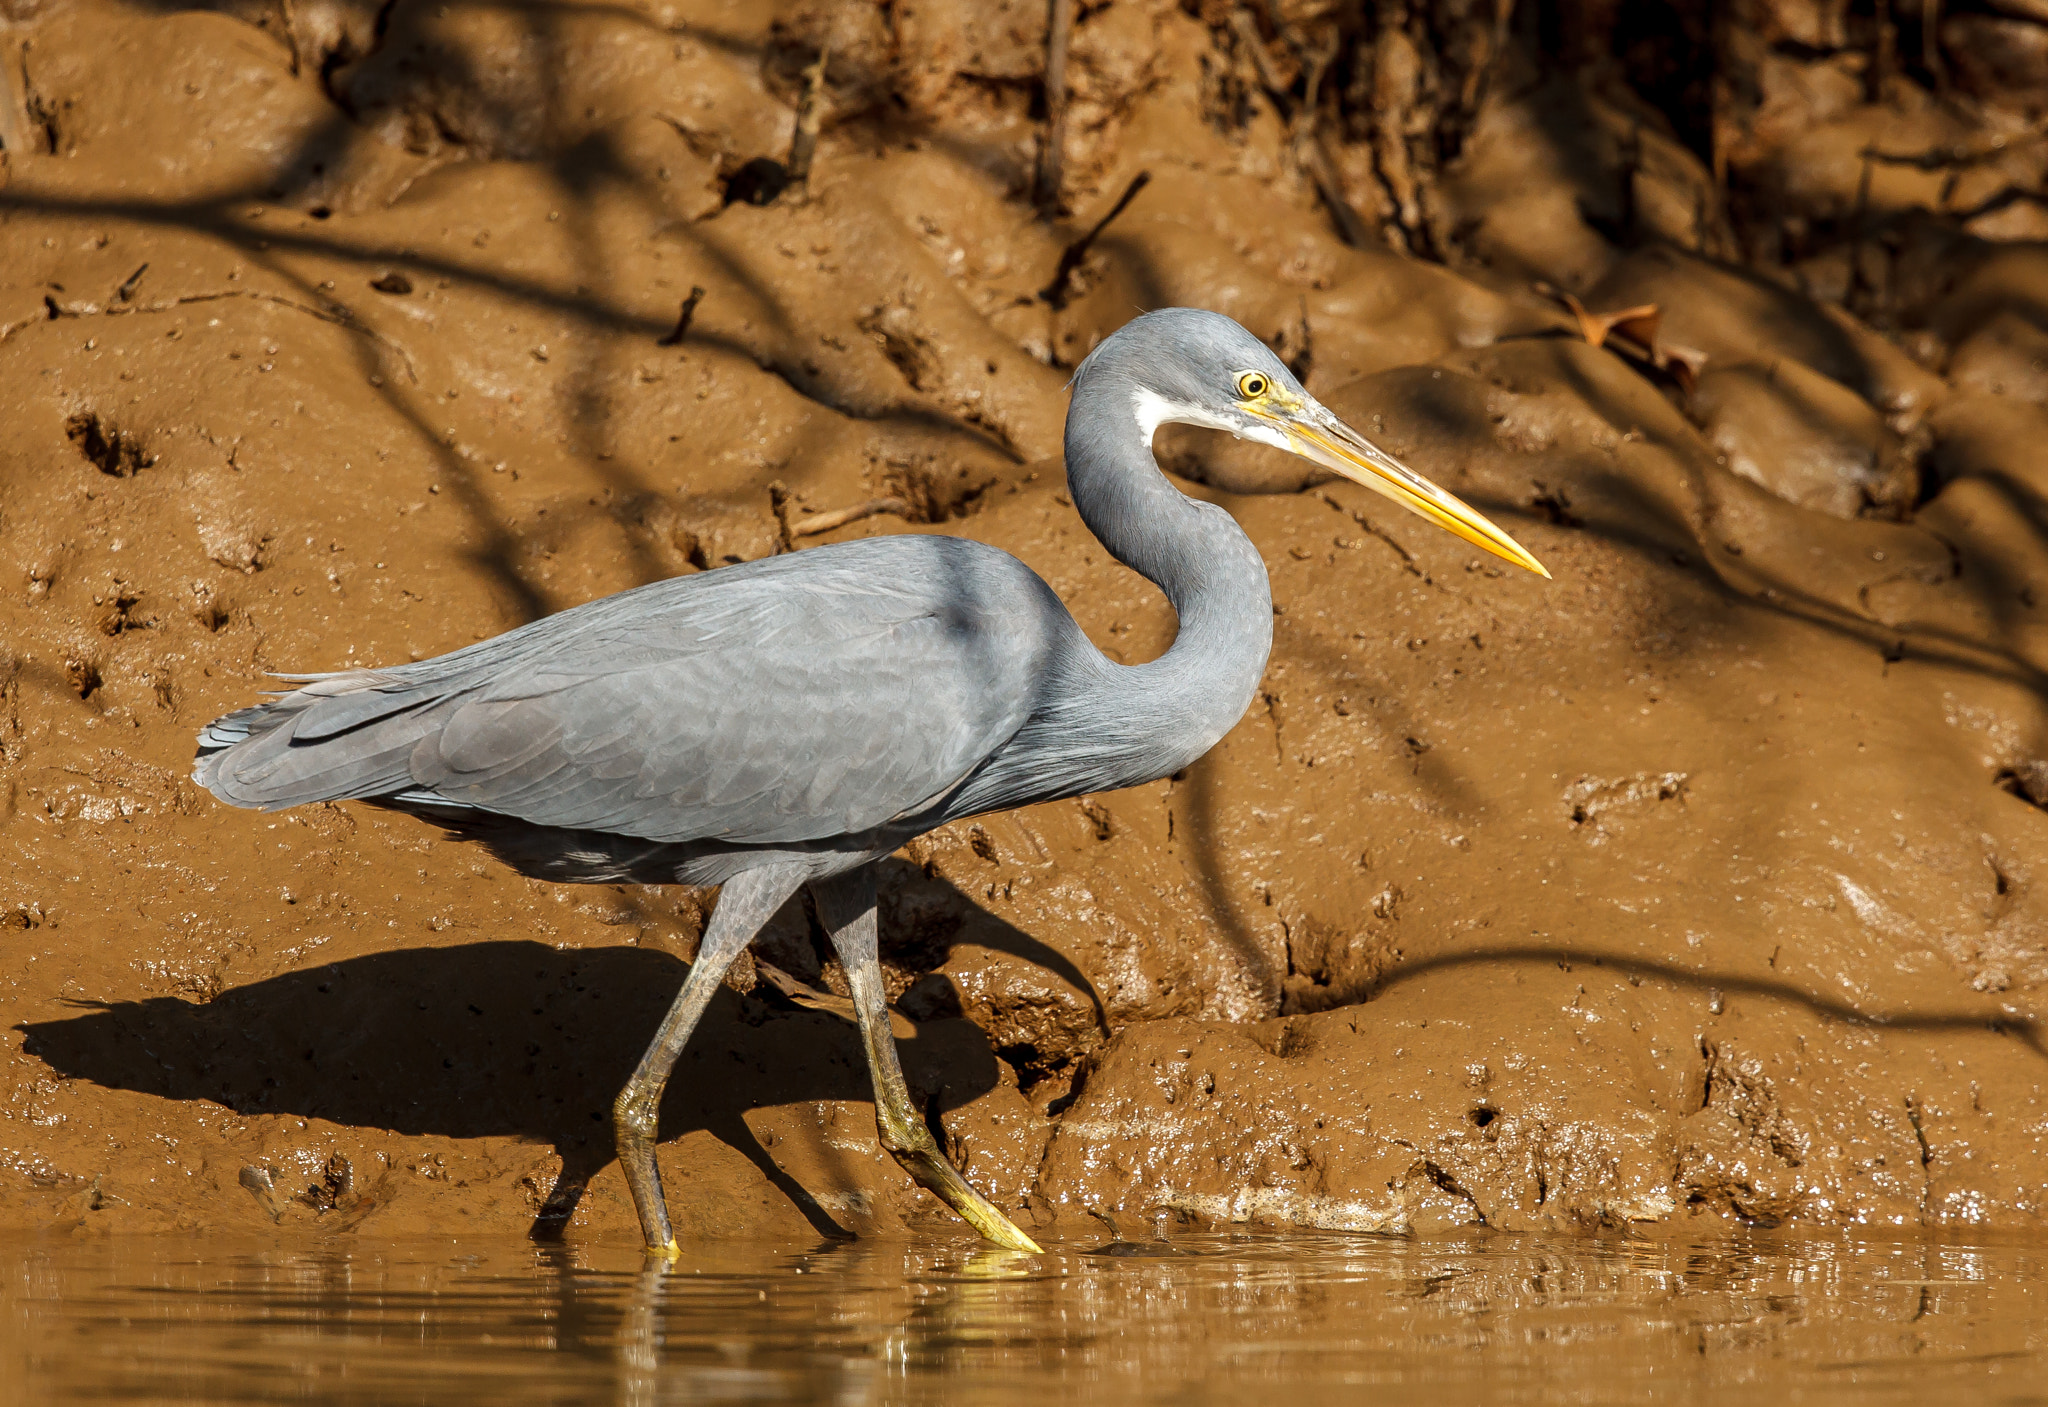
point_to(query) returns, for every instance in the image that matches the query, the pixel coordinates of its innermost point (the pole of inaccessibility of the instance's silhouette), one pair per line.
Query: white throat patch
(1153, 410)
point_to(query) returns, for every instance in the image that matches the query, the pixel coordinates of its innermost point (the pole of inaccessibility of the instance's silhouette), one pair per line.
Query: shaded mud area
(1695, 886)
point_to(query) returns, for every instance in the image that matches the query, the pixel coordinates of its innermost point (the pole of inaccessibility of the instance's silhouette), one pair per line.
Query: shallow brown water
(1207, 1319)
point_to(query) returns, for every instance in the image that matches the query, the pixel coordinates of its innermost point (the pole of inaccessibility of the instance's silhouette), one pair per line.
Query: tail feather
(225, 731)
(341, 703)
(340, 736)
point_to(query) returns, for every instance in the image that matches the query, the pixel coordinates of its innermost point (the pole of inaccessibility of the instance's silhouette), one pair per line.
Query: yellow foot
(669, 1252)
(932, 1172)
(1018, 1241)
(996, 1227)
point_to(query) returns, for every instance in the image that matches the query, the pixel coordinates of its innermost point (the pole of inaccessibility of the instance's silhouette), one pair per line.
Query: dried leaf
(1684, 364)
(1633, 333)
(1638, 324)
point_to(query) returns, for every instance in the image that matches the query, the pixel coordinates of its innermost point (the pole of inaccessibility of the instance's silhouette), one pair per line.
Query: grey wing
(809, 696)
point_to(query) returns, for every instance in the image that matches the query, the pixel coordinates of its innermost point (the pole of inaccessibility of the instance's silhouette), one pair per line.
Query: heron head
(1193, 367)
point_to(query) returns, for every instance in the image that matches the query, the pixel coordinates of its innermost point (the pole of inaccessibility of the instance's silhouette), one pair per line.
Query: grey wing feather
(798, 698)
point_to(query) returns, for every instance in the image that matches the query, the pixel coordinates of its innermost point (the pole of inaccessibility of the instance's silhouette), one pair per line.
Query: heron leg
(744, 904)
(846, 906)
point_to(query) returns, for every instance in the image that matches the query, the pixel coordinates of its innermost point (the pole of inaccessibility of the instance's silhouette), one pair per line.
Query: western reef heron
(793, 720)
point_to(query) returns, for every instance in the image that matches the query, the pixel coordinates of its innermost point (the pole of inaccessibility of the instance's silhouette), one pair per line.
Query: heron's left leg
(745, 902)
(846, 906)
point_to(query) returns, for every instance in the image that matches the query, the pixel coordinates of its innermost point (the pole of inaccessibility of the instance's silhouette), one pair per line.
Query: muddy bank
(1697, 883)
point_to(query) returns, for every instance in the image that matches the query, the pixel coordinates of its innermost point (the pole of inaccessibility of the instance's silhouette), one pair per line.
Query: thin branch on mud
(839, 517)
(1633, 334)
(14, 113)
(1950, 157)
(682, 330)
(1247, 30)
(2006, 196)
(810, 114)
(1291, 36)
(1310, 151)
(1057, 292)
(340, 316)
(291, 33)
(1884, 51)
(1930, 44)
(1059, 33)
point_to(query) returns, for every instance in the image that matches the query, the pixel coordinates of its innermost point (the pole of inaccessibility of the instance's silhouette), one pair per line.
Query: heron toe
(930, 1170)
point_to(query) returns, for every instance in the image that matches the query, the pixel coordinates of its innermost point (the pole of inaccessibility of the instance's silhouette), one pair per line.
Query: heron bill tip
(1321, 438)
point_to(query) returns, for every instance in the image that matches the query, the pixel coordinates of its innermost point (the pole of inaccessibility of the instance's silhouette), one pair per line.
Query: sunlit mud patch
(1377, 1118)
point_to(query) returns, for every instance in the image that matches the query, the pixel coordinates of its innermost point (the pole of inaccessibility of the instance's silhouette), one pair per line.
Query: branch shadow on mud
(2024, 1029)
(1774, 587)
(583, 171)
(1679, 527)
(507, 1039)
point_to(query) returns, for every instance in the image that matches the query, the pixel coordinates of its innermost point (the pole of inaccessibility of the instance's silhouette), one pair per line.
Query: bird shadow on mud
(508, 1039)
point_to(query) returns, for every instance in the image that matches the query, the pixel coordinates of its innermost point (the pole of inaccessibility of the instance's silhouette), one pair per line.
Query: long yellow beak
(1318, 436)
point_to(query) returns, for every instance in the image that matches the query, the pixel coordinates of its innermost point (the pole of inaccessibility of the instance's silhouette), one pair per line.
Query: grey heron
(791, 721)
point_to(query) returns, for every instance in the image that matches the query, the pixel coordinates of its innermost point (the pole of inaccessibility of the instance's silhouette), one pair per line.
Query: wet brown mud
(1702, 885)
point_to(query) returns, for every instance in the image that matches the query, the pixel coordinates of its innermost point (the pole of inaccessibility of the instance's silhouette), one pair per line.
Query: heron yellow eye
(1252, 384)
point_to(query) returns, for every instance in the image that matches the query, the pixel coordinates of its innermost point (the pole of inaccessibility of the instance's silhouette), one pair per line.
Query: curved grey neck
(1188, 698)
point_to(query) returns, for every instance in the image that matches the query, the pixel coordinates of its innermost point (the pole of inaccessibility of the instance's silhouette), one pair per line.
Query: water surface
(1220, 1318)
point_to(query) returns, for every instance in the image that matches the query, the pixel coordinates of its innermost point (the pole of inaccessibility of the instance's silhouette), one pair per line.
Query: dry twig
(291, 32)
(810, 114)
(1930, 44)
(1307, 141)
(675, 339)
(839, 517)
(1059, 32)
(815, 998)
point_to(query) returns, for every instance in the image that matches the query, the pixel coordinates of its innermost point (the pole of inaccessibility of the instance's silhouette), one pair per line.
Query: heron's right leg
(744, 903)
(846, 906)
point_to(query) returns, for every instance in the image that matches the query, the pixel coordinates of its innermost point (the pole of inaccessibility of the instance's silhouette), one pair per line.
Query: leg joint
(636, 1116)
(901, 1134)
